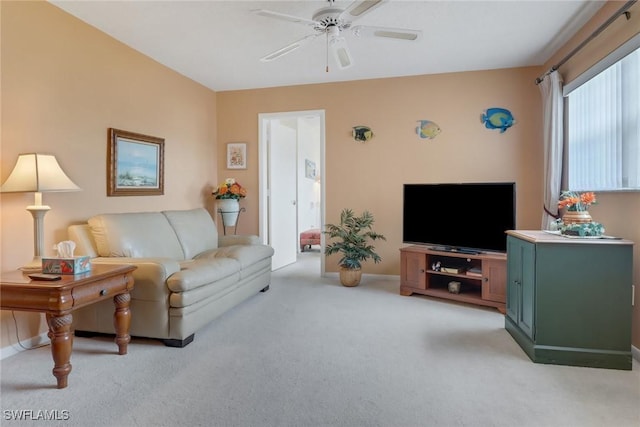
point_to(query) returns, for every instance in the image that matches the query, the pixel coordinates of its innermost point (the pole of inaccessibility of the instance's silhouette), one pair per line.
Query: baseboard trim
(635, 353)
(29, 343)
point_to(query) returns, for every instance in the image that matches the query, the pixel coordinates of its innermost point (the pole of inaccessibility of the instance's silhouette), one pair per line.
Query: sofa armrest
(234, 239)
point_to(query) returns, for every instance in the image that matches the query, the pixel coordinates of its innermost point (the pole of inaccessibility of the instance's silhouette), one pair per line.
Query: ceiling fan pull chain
(327, 69)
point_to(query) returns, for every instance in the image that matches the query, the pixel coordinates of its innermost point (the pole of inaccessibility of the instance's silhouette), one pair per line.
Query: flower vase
(229, 209)
(576, 217)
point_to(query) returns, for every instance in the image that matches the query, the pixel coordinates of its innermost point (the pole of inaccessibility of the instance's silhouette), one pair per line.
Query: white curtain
(552, 122)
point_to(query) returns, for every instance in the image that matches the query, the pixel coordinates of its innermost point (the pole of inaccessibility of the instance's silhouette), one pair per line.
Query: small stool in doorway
(309, 238)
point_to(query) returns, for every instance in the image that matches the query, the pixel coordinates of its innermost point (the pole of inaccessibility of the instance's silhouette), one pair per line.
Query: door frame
(263, 172)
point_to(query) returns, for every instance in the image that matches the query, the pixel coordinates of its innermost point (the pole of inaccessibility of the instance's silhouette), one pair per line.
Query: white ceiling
(219, 43)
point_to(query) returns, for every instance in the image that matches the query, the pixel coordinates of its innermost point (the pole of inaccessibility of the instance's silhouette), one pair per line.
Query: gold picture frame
(135, 164)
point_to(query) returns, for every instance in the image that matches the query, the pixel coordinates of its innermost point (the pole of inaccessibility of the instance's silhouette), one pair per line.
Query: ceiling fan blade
(288, 48)
(284, 17)
(385, 32)
(359, 8)
(341, 52)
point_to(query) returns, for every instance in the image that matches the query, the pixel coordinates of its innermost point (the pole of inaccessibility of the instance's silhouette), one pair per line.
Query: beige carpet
(313, 353)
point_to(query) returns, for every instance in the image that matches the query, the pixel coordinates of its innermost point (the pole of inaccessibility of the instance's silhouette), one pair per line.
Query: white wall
(308, 188)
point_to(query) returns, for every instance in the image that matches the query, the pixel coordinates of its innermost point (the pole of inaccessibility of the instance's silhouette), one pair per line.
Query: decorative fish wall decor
(427, 129)
(362, 133)
(497, 118)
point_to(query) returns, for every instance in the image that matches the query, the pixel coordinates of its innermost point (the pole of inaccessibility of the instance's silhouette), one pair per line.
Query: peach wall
(370, 175)
(63, 86)
(618, 32)
(618, 212)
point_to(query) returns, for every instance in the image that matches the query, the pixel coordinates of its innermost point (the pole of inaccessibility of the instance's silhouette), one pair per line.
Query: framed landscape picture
(135, 164)
(237, 155)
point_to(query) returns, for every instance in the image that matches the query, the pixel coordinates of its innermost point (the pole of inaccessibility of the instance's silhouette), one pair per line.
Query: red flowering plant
(230, 189)
(574, 201)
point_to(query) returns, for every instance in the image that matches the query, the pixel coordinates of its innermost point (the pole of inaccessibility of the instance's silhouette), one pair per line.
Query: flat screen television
(463, 217)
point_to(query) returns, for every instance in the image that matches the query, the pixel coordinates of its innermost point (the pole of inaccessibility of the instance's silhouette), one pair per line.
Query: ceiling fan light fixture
(330, 21)
(343, 57)
(341, 52)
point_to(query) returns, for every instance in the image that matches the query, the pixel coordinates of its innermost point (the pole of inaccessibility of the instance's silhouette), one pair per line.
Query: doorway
(291, 150)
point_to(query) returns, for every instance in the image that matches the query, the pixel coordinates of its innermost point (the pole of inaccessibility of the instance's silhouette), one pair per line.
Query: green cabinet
(569, 300)
(521, 284)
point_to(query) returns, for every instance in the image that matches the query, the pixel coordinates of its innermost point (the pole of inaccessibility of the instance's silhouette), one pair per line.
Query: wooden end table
(57, 299)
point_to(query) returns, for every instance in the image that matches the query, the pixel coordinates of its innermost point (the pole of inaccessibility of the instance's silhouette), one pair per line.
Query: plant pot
(576, 217)
(350, 276)
(229, 209)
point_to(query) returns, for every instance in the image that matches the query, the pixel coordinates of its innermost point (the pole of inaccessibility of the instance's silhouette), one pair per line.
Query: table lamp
(37, 173)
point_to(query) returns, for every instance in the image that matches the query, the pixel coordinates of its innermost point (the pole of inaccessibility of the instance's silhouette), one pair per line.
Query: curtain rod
(622, 11)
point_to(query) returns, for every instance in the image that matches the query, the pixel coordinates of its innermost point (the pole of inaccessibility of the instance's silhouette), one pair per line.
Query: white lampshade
(37, 173)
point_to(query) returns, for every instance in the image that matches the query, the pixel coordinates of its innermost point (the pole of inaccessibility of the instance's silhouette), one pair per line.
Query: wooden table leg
(122, 321)
(61, 346)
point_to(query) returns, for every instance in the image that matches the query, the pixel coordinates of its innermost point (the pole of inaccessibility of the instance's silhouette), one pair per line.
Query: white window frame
(617, 55)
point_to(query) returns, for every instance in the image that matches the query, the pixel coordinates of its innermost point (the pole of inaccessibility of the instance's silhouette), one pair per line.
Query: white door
(279, 169)
(283, 213)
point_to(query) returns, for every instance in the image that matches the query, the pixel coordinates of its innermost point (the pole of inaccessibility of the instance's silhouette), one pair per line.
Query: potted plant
(577, 220)
(228, 195)
(353, 236)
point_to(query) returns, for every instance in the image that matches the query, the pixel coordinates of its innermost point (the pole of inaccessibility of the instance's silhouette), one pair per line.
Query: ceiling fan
(331, 21)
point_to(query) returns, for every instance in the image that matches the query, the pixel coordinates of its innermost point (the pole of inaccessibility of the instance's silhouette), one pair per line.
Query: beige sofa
(186, 274)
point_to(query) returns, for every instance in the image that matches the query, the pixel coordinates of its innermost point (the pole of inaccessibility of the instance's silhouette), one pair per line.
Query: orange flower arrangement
(230, 189)
(574, 201)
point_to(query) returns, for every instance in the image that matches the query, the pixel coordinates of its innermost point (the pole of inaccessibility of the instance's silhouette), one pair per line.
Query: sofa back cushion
(135, 234)
(195, 229)
(81, 235)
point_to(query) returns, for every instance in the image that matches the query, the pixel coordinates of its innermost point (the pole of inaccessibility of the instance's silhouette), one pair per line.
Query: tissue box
(75, 265)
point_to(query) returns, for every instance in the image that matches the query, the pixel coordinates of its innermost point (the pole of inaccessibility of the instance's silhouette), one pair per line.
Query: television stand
(482, 276)
(463, 251)
(454, 249)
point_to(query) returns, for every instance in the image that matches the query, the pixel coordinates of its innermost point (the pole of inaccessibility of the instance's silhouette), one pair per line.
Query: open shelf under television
(482, 276)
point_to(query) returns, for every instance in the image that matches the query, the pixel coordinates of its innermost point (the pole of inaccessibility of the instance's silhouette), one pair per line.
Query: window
(603, 124)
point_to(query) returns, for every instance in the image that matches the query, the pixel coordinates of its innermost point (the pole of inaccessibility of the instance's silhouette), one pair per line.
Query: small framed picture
(237, 155)
(309, 169)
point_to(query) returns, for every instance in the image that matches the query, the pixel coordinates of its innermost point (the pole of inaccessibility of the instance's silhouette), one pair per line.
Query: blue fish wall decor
(362, 133)
(497, 118)
(427, 129)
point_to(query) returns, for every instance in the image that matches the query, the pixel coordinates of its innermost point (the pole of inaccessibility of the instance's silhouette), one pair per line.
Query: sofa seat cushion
(258, 268)
(196, 273)
(210, 292)
(246, 255)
